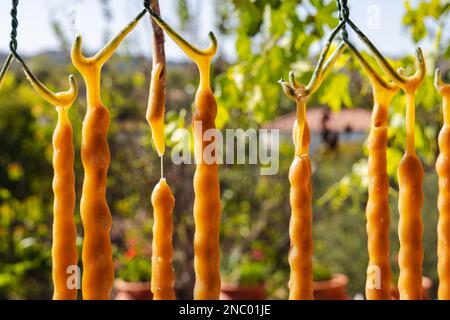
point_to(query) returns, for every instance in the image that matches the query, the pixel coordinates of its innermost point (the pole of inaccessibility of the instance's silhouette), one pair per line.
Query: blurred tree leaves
(183, 14)
(337, 92)
(415, 18)
(271, 38)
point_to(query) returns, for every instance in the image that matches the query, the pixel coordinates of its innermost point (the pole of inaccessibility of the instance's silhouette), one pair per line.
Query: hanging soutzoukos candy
(443, 171)
(378, 283)
(410, 175)
(410, 180)
(163, 201)
(157, 94)
(98, 267)
(300, 227)
(64, 247)
(163, 277)
(207, 206)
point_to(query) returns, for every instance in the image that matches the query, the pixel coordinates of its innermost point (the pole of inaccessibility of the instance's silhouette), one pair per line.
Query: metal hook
(81, 62)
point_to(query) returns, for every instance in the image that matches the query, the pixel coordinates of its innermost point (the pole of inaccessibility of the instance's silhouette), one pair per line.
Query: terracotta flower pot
(333, 289)
(238, 292)
(132, 290)
(426, 288)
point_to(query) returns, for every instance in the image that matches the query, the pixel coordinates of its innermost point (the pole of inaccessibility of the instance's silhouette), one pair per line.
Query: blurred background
(261, 41)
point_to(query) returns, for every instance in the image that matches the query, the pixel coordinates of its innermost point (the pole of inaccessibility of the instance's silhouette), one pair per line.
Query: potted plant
(327, 285)
(133, 270)
(244, 277)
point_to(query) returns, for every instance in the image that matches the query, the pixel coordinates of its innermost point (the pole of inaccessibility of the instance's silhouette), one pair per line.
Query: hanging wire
(147, 4)
(344, 14)
(13, 46)
(61, 99)
(371, 72)
(10, 57)
(398, 77)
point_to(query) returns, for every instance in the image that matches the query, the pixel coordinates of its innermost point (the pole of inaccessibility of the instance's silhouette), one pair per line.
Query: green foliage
(25, 182)
(137, 269)
(245, 270)
(24, 248)
(321, 273)
(416, 18)
(267, 50)
(183, 14)
(337, 93)
(252, 273)
(133, 256)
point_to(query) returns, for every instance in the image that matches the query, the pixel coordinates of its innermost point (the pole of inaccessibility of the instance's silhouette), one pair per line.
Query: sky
(379, 19)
